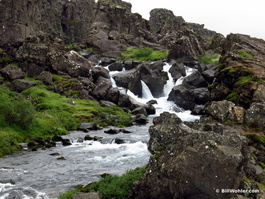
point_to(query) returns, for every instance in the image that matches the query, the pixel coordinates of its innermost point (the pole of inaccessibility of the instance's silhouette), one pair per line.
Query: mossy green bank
(39, 112)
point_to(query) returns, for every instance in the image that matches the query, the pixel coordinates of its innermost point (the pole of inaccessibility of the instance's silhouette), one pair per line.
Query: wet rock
(88, 126)
(129, 80)
(119, 141)
(22, 84)
(151, 102)
(61, 158)
(88, 137)
(154, 79)
(57, 138)
(80, 140)
(100, 72)
(54, 154)
(141, 119)
(112, 131)
(150, 109)
(124, 131)
(117, 66)
(11, 72)
(176, 147)
(105, 61)
(139, 110)
(66, 142)
(97, 138)
(195, 80)
(177, 70)
(182, 96)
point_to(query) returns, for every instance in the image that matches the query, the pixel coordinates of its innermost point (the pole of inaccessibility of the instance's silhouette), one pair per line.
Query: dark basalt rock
(112, 131)
(88, 126)
(213, 161)
(182, 96)
(66, 142)
(141, 119)
(177, 70)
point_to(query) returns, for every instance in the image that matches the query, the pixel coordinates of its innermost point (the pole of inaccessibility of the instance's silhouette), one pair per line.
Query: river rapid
(43, 174)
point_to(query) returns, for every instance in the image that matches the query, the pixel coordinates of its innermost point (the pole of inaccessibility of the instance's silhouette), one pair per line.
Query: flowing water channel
(43, 174)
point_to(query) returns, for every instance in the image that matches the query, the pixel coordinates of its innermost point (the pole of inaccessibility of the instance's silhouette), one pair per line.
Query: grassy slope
(39, 112)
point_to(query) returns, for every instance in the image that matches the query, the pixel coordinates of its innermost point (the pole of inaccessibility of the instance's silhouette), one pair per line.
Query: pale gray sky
(226, 16)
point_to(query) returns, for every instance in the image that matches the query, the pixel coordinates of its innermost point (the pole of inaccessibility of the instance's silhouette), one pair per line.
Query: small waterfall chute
(146, 93)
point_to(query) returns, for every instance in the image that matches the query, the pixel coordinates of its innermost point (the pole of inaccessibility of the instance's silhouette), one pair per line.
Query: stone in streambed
(112, 131)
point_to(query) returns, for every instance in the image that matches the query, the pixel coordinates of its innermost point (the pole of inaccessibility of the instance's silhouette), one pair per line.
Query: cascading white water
(146, 93)
(162, 103)
(170, 82)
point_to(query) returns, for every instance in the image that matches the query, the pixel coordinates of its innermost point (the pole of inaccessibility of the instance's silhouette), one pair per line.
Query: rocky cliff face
(106, 26)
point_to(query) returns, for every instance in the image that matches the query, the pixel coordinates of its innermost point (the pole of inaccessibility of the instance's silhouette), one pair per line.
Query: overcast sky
(226, 16)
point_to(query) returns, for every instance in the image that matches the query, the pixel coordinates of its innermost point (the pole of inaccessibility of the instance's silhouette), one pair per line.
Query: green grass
(113, 186)
(110, 186)
(144, 54)
(244, 80)
(68, 194)
(210, 59)
(38, 112)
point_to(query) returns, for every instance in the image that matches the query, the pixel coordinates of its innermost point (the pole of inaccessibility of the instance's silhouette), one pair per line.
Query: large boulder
(155, 79)
(196, 80)
(182, 96)
(102, 88)
(22, 84)
(70, 63)
(189, 163)
(131, 80)
(11, 72)
(177, 70)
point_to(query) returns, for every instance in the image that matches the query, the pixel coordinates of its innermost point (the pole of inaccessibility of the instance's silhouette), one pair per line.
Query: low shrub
(15, 109)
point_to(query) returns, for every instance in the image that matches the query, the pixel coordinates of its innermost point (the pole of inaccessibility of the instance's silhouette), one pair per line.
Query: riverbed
(44, 174)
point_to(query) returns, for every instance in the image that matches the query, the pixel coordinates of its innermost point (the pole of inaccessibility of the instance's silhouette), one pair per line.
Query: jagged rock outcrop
(190, 163)
(240, 76)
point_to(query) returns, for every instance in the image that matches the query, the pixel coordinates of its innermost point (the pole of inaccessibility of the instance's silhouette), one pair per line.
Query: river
(41, 175)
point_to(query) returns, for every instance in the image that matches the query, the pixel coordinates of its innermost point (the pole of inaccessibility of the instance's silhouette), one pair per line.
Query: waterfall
(170, 82)
(146, 93)
(162, 103)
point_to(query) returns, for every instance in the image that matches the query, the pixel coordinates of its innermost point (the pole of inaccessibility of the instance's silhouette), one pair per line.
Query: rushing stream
(40, 175)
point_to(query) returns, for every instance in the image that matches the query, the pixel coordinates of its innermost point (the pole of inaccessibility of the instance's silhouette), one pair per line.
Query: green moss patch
(243, 53)
(232, 96)
(210, 59)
